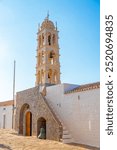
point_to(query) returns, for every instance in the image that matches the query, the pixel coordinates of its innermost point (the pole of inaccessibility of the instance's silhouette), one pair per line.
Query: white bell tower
(48, 65)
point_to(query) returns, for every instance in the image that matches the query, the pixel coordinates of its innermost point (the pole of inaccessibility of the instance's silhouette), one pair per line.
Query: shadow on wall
(4, 146)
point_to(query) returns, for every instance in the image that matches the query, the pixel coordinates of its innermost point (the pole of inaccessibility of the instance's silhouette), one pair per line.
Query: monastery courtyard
(9, 140)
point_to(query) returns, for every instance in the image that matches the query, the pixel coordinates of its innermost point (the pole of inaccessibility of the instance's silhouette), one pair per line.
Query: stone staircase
(66, 137)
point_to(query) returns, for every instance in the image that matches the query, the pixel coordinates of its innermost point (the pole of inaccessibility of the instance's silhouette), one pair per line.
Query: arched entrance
(28, 123)
(41, 123)
(22, 119)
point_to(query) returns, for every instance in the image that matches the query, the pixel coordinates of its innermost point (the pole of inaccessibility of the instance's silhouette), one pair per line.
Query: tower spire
(56, 24)
(48, 15)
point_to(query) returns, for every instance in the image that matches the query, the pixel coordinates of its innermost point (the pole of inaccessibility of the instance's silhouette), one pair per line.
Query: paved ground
(9, 140)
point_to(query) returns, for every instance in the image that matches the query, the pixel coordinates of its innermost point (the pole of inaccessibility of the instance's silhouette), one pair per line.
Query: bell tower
(48, 65)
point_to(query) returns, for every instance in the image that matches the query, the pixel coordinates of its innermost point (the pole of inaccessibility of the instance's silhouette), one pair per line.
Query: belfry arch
(50, 75)
(52, 57)
(49, 38)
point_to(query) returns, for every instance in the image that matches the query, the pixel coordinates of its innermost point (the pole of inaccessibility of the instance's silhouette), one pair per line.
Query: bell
(42, 134)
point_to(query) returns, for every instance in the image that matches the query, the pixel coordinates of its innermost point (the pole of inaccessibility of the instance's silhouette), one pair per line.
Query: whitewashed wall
(7, 111)
(80, 115)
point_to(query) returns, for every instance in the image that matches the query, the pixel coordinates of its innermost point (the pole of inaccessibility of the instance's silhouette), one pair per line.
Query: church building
(67, 112)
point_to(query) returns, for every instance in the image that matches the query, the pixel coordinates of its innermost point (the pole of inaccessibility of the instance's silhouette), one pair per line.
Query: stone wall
(32, 100)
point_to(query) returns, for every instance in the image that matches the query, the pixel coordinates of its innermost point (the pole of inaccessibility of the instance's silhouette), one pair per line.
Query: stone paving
(9, 140)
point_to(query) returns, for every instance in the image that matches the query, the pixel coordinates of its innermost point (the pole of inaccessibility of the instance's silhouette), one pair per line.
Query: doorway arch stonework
(31, 100)
(23, 109)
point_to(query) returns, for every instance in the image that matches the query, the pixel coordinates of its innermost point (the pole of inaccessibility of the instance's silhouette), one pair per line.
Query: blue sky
(79, 25)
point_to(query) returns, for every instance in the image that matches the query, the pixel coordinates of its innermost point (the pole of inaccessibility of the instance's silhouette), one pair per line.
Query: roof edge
(85, 87)
(6, 103)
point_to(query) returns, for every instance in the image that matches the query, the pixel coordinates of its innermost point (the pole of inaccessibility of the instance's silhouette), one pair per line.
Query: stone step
(67, 140)
(65, 132)
(66, 136)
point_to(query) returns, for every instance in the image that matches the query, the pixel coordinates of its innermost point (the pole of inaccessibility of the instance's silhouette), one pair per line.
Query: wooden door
(28, 124)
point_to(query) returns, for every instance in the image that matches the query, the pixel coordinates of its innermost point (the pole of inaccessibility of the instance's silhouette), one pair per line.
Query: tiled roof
(85, 87)
(6, 103)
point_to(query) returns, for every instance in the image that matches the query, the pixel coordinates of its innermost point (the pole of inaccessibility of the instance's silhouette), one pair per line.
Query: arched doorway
(28, 123)
(25, 120)
(41, 123)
